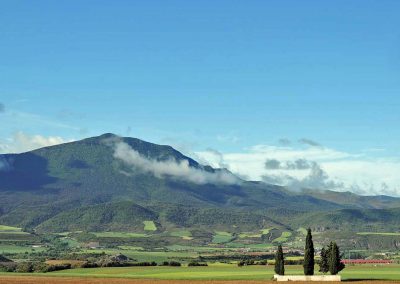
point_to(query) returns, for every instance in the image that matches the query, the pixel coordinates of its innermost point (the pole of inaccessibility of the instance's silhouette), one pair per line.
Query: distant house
(367, 261)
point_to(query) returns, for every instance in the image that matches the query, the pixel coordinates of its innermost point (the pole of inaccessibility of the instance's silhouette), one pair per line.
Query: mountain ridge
(45, 183)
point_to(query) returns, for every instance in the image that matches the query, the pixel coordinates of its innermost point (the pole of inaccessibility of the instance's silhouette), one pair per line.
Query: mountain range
(108, 182)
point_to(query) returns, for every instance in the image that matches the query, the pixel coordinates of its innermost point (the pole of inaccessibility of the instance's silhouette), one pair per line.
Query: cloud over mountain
(169, 168)
(22, 142)
(299, 164)
(313, 167)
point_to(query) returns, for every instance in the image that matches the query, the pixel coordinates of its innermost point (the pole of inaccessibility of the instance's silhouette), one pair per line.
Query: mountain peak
(108, 135)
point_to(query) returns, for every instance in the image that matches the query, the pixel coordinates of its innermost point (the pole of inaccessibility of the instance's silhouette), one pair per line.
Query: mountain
(113, 183)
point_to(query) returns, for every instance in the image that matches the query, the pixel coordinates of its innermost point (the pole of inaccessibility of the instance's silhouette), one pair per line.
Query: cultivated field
(59, 280)
(213, 273)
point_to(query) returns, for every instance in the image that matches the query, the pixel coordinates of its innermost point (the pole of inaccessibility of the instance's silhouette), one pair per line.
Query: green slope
(81, 185)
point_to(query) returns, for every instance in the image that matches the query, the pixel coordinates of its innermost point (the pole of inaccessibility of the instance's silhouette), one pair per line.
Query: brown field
(69, 280)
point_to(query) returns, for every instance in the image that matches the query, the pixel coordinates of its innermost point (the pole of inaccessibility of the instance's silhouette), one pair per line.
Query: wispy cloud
(312, 167)
(284, 142)
(231, 138)
(22, 142)
(299, 164)
(25, 117)
(309, 142)
(169, 168)
(5, 165)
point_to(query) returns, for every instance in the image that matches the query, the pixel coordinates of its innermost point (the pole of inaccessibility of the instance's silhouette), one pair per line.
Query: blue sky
(226, 75)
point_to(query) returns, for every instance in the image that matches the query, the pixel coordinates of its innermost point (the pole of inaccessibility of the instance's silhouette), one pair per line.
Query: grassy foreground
(216, 272)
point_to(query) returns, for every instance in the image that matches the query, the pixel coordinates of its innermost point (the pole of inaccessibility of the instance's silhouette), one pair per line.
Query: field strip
(29, 279)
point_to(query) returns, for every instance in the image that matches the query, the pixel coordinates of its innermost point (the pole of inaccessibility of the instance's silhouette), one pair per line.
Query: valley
(77, 208)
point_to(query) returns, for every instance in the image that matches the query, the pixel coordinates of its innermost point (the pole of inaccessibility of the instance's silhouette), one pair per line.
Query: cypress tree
(279, 262)
(335, 264)
(309, 255)
(323, 262)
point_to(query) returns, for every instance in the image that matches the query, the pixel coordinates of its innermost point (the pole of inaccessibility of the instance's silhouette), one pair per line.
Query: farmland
(218, 272)
(149, 226)
(221, 250)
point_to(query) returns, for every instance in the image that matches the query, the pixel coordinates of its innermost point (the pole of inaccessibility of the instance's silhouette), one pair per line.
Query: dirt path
(70, 280)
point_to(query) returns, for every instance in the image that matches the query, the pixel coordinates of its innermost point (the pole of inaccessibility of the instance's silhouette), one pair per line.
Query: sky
(297, 93)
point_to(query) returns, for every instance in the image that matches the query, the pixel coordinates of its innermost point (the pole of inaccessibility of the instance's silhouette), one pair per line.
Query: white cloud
(22, 142)
(328, 168)
(5, 165)
(172, 168)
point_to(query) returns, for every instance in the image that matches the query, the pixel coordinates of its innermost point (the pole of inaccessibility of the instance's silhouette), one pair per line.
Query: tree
(279, 262)
(309, 255)
(335, 259)
(323, 262)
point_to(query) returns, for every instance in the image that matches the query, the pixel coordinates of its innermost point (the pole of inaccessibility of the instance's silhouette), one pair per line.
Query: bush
(195, 263)
(24, 267)
(145, 263)
(246, 262)
(8, 267)
(88, 264)
(262, 262)
(40, 267)
(171, 263)
(57, 267)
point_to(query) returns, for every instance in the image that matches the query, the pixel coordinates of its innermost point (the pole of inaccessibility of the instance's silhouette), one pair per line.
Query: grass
(9, 228)
(120, 235)
(149, 226)
(138, 255)
(249, 235)
(221, 237)
(302, 231)
(224, 272)
(18, 249)
(377, 233)
(199, 249)
(131, 248)
(184, 234)
(283, 238)
(13, 233)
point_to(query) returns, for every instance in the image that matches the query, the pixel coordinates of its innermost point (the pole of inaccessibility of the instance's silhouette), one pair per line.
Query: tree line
(330, 258)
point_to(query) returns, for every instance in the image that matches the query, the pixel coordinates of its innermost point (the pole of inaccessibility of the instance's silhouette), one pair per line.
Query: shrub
(145, 263)
(40, 267)
(57, 267)
(88, 264)
(24, 267)
(195, 263)
(8, 267)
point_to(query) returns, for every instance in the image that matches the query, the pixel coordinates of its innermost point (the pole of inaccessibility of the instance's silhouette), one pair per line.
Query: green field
(283, 238)
(224, 272)
(221, 237)
(265, 231)
(9, 228)
(18, 249)
(138, 254)
(149, 226)
(184, 234)
(302, 231)
(249, 235)
(120, 235)
(377, 233)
